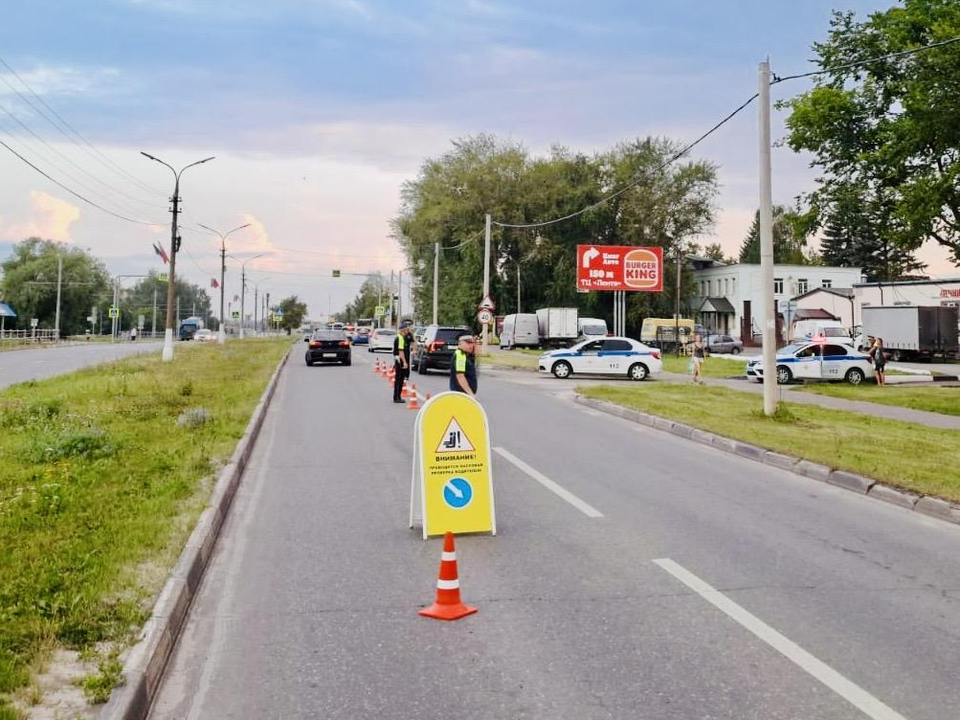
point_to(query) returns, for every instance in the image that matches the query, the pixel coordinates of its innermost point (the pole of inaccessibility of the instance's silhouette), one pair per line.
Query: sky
(318, 110)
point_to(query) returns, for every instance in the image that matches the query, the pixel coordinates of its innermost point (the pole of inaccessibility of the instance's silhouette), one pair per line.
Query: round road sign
(484, 316)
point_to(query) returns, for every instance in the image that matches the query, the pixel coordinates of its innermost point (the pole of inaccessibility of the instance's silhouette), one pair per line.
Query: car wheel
(370, 349)
(422, 365)
(638, 371)
(562, 369)
(309, 361)
(735, 350)
(855, 376)
(783, 374)
(896, 356)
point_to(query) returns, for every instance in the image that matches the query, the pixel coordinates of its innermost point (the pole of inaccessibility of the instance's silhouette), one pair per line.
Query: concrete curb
(930, 506)
(147, 660)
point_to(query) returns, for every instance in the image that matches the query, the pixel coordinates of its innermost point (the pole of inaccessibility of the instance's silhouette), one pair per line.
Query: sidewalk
(789, 394)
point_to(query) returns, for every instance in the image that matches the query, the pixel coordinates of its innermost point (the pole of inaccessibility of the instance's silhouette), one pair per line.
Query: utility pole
(676, 315)
(113, 320)
(486, 279)
(153, 323)
(178, 313)
(436, 279)
(174, 247)
(766, 248)
(518, 286)
(56, 321)
(243, 297)
(390, 314)
(221, 332)
(256, 292)
(399, 297)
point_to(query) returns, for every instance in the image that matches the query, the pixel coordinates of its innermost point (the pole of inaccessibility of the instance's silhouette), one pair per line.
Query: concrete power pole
(766, 248)
(167, 354)
(486, 280)
(243, 297)
(113, 320)
(153, 323)
(436, 279)
(56, 321)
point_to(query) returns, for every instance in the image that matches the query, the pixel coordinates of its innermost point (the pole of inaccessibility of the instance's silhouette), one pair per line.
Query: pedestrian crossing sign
(452, 472)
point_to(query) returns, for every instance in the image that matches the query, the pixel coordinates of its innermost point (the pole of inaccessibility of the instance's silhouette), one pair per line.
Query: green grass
(871, 446)
(99, 484)
(932, 397)
(712, 367)
(510, 359)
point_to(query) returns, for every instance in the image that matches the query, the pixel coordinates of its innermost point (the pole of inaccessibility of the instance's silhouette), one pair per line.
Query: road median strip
(107, 470)
(850, 451)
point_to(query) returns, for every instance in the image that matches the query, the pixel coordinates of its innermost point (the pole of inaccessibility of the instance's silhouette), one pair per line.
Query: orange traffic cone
(405, 392)
(428, 396)
(376, 366)
(448, 605)
(414, 403)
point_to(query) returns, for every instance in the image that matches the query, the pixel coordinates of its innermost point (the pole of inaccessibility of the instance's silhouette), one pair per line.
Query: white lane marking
(549, 484)
(847, 689)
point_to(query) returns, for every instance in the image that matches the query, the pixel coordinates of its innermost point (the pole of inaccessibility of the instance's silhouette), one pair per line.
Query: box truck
(558, 326)
(910, 332)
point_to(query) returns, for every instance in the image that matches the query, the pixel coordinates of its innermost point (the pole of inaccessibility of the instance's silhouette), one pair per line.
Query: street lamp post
(243, 288)
(174, 246)
(221, 334)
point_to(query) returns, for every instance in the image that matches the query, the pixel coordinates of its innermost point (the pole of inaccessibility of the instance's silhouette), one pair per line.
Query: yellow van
(660, 332)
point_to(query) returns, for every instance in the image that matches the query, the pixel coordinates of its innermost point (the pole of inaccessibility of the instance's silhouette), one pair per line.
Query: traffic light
(336, 273)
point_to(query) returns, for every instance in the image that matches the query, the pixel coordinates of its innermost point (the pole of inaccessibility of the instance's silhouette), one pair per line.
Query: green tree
(790, 232)
(891, 125)
(660, 204)
(29, 284)
(138, 300)
(855, 234)
(294, 311)
(365, 303)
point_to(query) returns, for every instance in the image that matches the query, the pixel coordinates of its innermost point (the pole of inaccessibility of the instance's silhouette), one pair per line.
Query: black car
(435, 346)
(328, 346)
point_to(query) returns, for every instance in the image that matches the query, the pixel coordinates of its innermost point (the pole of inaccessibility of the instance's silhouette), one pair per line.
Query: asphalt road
(22, 365)
(710, 586)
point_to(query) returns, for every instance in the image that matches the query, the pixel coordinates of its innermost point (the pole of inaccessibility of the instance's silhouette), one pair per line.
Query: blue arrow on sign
(457, 492)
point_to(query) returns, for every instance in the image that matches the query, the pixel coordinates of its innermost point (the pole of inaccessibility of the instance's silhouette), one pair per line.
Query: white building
(731, 296)
(827, 304)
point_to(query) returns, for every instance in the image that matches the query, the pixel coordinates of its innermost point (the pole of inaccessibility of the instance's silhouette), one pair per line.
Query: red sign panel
(620, 267)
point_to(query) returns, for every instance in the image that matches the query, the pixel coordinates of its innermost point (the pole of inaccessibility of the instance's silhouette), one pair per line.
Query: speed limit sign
(484, 316)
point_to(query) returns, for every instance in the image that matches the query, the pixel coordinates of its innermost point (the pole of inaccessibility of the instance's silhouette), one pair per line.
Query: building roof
(941, 281)
(717, 305)
(813, 314)
(6, 310)
(842, 292)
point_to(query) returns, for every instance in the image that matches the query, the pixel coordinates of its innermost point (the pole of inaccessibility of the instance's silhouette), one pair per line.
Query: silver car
(724, 344)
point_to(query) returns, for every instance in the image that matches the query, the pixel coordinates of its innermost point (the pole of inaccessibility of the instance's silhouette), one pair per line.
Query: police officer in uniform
(463, 366)
(401, 362)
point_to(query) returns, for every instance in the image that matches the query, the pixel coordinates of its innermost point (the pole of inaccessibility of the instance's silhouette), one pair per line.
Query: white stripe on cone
(448, 556)
(448, 584)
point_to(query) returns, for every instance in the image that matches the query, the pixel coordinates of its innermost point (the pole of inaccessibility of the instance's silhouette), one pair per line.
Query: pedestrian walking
(698, 352)
(401, 360)
(463, 366)
(879, 361)
(133, 334)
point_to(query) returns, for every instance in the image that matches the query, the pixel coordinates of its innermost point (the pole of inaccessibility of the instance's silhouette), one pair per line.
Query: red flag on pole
(214, 284)
(158, 249)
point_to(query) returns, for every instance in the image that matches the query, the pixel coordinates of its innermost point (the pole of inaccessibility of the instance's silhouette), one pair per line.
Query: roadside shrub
(91, 443)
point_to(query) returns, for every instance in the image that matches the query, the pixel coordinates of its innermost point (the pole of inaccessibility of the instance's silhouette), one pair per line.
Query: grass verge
(510, 359)
(871, 446)
(712, 367)
(931, 397)
(102, 478)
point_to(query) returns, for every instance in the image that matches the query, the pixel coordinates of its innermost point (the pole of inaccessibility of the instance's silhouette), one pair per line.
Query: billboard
(619, 267)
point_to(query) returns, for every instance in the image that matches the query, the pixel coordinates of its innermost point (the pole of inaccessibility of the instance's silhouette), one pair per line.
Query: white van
(520, 330)
(592, 327)
(804, 330)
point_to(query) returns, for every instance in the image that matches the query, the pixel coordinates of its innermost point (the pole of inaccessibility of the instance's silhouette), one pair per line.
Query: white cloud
(50, 80)
(50, 219)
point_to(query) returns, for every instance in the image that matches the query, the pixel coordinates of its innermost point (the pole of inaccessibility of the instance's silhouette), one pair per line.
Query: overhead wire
(87, 143)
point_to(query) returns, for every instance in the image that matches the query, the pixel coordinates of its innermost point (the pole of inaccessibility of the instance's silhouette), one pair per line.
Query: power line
(640, 178)
(75, 193)
(868, 61)
(115, 167)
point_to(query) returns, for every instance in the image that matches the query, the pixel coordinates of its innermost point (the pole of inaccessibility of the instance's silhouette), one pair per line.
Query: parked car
(205, 335)
(817, 361)
(328, 346)
(381, 339)
(724, 344)
(607, 356)
(435, 347)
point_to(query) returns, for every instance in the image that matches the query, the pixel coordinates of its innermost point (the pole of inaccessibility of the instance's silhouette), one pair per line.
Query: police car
(817, 360)
(604, 356)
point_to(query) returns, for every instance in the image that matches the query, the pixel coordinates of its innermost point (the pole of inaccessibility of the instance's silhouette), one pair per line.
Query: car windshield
(386, 332)
(329, 335)
(450, 335)
(835, 332)
(594, 330)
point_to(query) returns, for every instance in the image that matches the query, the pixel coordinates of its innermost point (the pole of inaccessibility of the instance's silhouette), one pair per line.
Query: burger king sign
(619, 267)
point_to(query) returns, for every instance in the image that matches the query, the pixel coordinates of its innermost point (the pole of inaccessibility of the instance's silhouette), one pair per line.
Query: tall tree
(30, 284)
(138, 300)
(789, 239)
(294, 311)
(890, 125)
(855, 234)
